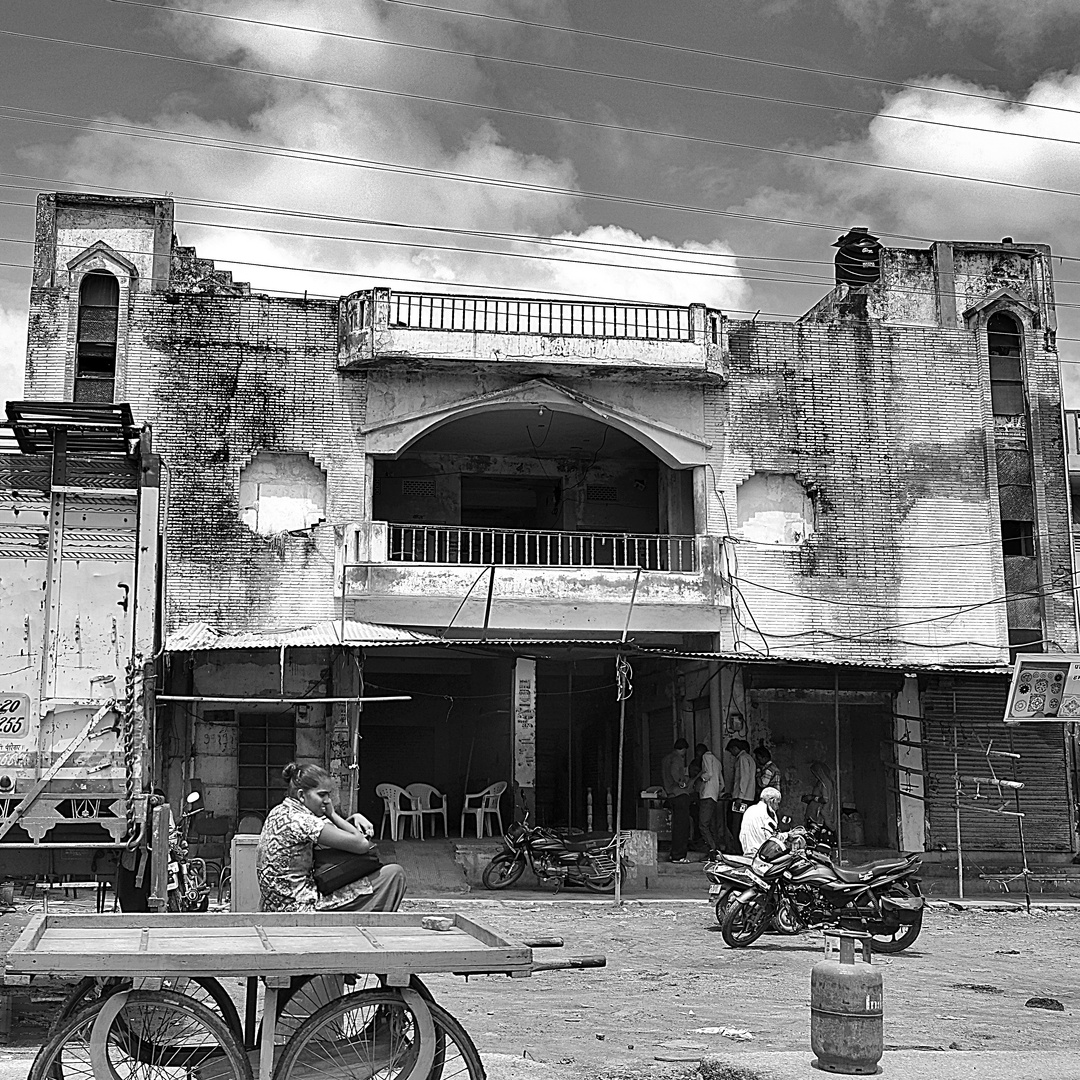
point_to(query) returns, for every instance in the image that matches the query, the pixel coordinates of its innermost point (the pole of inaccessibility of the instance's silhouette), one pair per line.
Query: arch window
(95, 352)
(1005, 344)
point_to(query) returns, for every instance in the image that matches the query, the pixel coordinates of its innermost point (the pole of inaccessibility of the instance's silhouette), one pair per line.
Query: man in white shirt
(743, 781)
(759, 823)
(709, 782)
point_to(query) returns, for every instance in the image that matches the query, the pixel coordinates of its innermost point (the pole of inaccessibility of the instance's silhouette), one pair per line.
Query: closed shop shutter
(975, 715)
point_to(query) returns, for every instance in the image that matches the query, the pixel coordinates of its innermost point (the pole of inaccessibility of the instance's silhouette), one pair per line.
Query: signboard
(1044, 688)
(16, 747)
(525, 722)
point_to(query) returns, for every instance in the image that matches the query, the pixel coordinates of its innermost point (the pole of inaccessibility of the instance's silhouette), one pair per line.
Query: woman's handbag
(334, 869)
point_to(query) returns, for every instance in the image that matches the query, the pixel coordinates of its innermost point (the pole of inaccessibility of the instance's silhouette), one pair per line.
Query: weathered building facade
(826, 535)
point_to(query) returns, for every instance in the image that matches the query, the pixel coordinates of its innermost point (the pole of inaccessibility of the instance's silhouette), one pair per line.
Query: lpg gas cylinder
(845, 1009)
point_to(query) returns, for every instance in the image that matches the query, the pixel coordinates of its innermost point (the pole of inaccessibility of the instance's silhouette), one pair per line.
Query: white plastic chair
(421, 797)
(482, 803)
(391, 795)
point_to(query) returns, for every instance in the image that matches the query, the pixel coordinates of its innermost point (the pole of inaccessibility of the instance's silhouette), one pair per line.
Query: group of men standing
(721, 805)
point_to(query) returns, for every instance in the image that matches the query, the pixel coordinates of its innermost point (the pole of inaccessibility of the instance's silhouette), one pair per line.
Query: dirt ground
(963, 985)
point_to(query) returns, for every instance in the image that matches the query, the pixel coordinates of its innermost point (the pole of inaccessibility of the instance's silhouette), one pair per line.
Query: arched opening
(535, 486)
(1005, 340)
(95, 352)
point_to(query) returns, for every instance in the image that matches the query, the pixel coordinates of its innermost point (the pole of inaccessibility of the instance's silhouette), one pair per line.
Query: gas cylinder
(846, 1009)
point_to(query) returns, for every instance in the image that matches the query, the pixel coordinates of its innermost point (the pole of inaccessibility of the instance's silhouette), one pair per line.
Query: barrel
(846, 1030)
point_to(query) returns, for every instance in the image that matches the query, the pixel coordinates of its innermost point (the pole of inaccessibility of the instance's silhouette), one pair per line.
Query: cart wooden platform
(274, 948)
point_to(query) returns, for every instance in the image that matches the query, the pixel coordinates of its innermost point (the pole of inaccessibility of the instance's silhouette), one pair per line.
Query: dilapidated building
(827, 534)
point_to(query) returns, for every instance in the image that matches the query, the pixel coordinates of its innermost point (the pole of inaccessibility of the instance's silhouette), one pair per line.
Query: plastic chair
(391, 796)
(421, 796)
(250, 824)
(482, 803)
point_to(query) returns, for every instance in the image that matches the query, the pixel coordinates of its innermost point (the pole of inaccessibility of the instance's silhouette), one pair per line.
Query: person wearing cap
(676, 780)
(760, 823)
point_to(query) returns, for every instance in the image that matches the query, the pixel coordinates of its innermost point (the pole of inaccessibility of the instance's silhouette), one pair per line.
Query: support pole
(957, 782)
(618, 804)
(839, 796)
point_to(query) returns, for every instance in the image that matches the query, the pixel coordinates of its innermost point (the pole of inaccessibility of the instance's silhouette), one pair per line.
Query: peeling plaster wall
(220, 379)
(890, 428)
(878, 406)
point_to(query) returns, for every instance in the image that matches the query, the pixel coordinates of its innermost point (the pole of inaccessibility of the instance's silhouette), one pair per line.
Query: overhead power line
(145, 132)
(503, 110)
(742, 274)
(803, 69)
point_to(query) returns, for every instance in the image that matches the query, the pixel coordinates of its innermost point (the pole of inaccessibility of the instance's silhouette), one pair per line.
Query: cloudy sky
(422, 143)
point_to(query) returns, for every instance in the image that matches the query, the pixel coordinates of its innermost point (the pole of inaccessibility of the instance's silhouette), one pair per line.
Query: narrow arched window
(95, 353)
(1005, 345)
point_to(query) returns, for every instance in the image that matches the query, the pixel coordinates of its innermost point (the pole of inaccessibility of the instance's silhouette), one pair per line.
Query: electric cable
(804, 69)
(184, 138)
(525, 113)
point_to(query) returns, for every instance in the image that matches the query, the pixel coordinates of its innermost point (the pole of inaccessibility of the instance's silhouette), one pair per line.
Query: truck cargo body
(79, 549)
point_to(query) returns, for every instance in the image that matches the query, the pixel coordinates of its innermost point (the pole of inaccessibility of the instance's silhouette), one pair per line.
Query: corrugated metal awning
(827, 662)
(201, 636)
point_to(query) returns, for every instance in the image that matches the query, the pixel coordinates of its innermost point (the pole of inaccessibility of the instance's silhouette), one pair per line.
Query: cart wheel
(149, 1034)
(200, 988)
(309, 993)
(383, 1033)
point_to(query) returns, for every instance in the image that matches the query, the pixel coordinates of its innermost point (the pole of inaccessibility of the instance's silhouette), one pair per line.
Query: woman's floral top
(284, 862)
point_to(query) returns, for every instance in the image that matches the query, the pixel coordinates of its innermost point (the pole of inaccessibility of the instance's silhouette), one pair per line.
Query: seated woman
(303, 819)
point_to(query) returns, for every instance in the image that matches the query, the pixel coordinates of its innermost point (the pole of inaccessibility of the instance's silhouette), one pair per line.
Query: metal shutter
(977, 719)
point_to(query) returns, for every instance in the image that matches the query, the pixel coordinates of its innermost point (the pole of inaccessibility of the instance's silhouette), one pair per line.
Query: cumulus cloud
(934, 207)
(330, 120)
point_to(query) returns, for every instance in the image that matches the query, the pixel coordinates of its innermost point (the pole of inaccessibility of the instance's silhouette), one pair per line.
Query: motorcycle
(584, 860)
(730, 875)
(805, 889)
(187, 889)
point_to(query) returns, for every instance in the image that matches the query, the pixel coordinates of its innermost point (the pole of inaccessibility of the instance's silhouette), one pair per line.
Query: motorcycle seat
(866, 871)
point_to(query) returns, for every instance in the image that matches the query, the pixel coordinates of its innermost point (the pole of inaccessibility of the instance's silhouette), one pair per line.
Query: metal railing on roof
(476, 314)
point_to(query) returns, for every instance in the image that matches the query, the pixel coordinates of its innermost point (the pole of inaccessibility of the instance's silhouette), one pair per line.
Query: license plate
(714, 891)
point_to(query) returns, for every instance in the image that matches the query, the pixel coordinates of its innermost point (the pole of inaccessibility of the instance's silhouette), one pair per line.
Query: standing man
(743, 782)
(768, 775)
(710, 779)
(676, 781)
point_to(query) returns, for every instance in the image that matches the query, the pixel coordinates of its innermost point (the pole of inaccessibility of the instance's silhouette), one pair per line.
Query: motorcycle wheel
(603, 884)
(174, 903)
(723, 902)
(745, 922)
(905, 934)
(503, 870)
(785, 921)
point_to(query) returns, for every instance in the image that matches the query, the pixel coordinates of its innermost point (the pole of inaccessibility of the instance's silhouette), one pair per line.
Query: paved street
(954, 1003)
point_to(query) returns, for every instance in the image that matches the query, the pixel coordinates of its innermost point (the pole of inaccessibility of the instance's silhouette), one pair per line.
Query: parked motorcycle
(730, 875)
(806, 889)
(187, 889)
(552, 856)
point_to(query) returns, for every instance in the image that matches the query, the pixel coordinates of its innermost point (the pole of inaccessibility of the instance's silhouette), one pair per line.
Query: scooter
(589, 861)
(187, 889)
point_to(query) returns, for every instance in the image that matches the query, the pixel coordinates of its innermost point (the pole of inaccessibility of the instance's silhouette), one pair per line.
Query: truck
(80, 582)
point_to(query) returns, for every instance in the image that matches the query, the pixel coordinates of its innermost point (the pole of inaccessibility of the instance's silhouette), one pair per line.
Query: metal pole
(618, 805)
(956, 782)
(1020, 823)
(838, 796)
(1023, 853)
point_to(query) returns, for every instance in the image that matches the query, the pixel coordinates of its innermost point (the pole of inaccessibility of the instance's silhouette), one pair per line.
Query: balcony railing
(525, 547)
(426, 311)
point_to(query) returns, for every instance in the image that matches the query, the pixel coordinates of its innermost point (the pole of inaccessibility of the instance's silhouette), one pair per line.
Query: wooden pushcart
(388, 1026)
